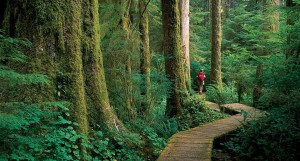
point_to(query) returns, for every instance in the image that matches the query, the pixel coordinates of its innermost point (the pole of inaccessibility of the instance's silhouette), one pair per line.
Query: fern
(11, 52)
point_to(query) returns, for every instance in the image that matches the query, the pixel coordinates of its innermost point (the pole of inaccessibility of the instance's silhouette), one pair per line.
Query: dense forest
(115, 79)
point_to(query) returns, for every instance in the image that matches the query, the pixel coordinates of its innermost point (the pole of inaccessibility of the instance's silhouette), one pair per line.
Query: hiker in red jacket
(201, 76)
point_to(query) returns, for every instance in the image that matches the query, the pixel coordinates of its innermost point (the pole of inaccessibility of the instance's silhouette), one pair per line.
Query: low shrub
(196, 112)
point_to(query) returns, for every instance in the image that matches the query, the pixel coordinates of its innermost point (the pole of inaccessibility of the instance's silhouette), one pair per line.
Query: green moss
(173, 57)
(96, 90)
(65, 38)
(54, 28)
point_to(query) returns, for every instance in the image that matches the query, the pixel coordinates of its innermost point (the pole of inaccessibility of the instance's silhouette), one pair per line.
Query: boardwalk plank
(196, 144)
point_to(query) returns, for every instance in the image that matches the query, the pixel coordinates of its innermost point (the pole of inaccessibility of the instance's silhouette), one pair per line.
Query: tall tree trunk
(65, 45)
(96, 90)
(173, 56)
(271, 14)
(185, 35)
(128, 67)
(145, 56)
(120, 62)
(55, 33)
(257, 91)
(216, 39)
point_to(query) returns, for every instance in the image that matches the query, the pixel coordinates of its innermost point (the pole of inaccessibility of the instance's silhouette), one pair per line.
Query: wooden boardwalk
(196, 143)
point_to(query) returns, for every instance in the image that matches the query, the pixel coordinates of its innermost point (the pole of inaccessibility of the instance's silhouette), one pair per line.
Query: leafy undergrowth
(44, 132)
(197, 112)
(275, 137)
(220, 152)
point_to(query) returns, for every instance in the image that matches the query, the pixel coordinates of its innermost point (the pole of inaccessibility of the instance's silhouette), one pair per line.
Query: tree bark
(55, 33)
(128, 86)
(145, 56)
(257, 91)
(119, 61)
(185, 35)
(95, 84)
(65, 45)
(174, 58)
(216, 39)
(271, 14)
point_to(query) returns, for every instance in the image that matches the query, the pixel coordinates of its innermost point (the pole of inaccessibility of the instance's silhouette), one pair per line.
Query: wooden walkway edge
(196, 144)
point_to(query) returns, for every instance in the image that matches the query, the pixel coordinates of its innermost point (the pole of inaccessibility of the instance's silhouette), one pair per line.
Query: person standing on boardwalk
(201, 76)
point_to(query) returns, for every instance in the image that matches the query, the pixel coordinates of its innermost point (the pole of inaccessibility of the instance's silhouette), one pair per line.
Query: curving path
(196, 144)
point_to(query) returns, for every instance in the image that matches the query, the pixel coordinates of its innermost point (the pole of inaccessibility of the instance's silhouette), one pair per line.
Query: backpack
(201, 76)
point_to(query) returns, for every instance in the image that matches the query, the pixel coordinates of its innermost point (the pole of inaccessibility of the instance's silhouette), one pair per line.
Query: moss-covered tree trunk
(96, 90)
(174, 58)
(119, 42)
(54, 28)
(128, 86)
(271, 14)
(216, 39)
(185, 36)
(145, 56)
(66, 47)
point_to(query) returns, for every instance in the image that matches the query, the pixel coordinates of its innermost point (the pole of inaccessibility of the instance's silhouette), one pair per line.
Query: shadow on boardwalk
(196, 144)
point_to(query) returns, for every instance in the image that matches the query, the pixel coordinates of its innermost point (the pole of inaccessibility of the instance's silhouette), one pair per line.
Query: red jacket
(201, 76)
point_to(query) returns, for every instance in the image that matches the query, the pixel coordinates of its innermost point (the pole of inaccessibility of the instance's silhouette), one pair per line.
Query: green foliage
(11, 48)
(155, 26)
(199, 32)
(275, 137)
(156, 143)
(37, 132)
(196, 113)
(43, 132)
(11, 52)
(118, 147)
(243, 27)
(31, 131)
(166, 127)
(199, 41)
(119, 43)
(151, 141)
(284, 87)
(227, 95)
(238, 65)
